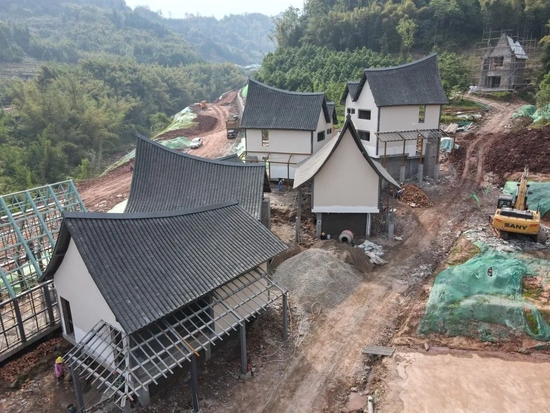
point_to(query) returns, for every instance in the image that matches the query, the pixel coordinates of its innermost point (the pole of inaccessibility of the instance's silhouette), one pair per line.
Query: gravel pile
(318, 275)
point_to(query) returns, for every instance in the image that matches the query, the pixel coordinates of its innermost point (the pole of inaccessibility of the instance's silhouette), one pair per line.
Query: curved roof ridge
(402, 66)
(194, 157)
(275, 89)
(147, 215)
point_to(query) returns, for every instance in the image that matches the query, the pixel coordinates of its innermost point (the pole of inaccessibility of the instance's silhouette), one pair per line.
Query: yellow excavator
(514, 216)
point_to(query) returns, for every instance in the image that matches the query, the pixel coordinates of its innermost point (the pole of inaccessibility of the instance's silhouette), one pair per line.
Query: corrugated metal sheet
(379, 351)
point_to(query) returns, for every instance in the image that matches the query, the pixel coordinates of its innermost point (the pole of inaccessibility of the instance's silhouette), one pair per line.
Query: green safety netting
(482, 298)
(177, 143)
(532, 112)
(244, 91)
(538, 198)
(525, 111)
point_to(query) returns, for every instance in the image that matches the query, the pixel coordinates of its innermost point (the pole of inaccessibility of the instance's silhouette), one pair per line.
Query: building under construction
(505, 61)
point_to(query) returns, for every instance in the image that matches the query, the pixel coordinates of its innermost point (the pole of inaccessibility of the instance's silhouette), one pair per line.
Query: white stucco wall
(346, 183)
(74, 283)
(322, 126)
(402, 118)
(284, 141)
(365, 102)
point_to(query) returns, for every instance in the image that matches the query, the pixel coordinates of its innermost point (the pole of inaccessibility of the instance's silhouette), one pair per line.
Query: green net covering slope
(482, 298)
(539, 197)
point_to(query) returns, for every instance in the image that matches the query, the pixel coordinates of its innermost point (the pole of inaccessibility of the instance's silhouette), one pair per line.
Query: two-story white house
(396, 111)
(283, 128)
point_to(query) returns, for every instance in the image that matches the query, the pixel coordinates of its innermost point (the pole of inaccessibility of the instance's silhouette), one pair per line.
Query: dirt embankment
(103, 193)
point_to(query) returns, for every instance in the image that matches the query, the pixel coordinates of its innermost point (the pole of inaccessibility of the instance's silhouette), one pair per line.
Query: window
(351, 111)
(364, 135)
(320, 136)
(265, 137)
(329, 131)
(421, 113)
(498, 62)
(67, 316)
(364, 114)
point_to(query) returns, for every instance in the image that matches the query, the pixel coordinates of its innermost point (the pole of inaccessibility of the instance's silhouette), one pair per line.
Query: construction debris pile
(319, 275)
(415, 197)
(513, 150)
(373, 251)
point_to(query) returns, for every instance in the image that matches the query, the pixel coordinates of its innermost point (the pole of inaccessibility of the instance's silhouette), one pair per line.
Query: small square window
(351, 111)
(421, 113)
(364, 114)
(329, 131)
(364, 135)
(265, 137)
(320, 136)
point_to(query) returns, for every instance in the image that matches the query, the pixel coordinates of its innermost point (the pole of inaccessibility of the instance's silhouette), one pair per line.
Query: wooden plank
(379, 351)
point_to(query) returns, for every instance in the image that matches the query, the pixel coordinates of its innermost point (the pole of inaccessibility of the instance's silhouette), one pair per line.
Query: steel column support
(194, 384)
(77, 389)
(244, 360)
(298, 215)
(19, 321)
(49, 306)
(285, 316)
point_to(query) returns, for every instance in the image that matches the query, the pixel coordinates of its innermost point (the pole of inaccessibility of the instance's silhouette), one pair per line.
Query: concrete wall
(74, 283)
(346, 183)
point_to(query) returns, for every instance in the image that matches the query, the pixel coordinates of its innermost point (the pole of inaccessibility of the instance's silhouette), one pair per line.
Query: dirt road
(103, 193)
(320, 375)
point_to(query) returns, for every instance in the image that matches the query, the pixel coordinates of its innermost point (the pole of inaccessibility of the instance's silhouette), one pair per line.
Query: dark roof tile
(166, 180)
(271, 108)
(149, 265)
(415, 83)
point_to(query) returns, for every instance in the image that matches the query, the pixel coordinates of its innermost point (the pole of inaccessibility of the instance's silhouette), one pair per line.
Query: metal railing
(28, 317)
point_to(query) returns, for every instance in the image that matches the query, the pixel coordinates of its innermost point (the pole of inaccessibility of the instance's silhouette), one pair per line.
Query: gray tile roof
(271, 108)
(308, 168)
(415, 83)
(230, 158)
(332, 112)
(166, 180)
(148, 265)
(351, 88)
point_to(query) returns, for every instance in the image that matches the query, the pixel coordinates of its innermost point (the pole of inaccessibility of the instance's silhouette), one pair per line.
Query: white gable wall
(365, 102)
(74, 283)
(346, 183)
(322, 126)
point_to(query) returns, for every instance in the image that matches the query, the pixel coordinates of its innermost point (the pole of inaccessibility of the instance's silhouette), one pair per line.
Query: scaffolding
(29, 224)
(505, 60)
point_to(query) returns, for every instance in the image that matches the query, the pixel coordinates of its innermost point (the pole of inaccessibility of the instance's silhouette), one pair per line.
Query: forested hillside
(107, 73)
(391, 26)
(241, 39)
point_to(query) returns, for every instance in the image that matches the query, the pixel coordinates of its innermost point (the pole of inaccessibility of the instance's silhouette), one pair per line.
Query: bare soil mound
(414, 196)
(356, 257)
(203, 124)
(512, 151)
(318, 276)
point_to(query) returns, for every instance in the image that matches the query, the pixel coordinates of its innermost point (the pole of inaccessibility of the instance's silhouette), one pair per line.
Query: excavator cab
(505, 201)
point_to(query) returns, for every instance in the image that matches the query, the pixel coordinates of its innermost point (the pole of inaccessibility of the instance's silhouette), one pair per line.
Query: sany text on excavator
(514, 216)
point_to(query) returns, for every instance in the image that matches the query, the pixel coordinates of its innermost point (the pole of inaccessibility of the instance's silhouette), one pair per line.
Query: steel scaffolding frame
(124, 364)
(29, 224)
